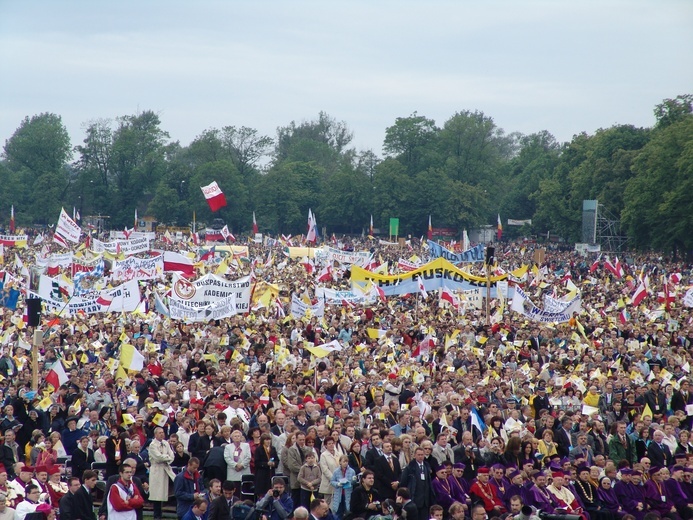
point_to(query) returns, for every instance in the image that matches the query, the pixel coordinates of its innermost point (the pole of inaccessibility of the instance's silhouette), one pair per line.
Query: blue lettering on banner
(474, 254)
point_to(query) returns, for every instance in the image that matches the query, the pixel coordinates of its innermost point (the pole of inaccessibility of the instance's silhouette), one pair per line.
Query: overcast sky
(565, 66)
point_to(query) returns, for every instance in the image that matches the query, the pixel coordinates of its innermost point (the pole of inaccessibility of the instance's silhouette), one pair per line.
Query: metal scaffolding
(609, 231)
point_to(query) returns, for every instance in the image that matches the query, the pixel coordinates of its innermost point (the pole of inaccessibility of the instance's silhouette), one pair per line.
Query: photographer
(277, 504)
(365, 500)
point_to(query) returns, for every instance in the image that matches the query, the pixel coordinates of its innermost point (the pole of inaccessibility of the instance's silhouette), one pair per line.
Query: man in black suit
(656, 400)
(681, 399)
(220, 508)
(416, 477)
(374, 452)
(409, 509)
(563, 442)
(142, 488)
(388, 472)
(659, 453)
(82, 502)
(318, 509)
(66, 505)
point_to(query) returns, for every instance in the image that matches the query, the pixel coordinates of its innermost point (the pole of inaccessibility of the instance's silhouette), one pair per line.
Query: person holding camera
(277, 503)
(365, 499)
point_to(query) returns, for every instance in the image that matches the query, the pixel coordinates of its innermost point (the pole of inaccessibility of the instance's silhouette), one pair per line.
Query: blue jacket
(338, 486)
(277, 509)
(184, 489)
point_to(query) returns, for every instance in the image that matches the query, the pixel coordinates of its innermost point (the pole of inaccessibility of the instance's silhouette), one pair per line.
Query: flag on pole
(12, 219)
(215, 197)
(477, 420)
(130, 358)
(422, 289)
(135, 225)
(595, 264)
(312, 234)
(639, 294)
(499, 229)
(56, 375)
(370, 229)
(448, 296)
(255, 228)
(430, 229)
(67, 229)
(615, 268)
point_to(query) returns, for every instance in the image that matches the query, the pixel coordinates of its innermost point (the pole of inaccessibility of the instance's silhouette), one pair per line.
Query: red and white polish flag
(215, 197)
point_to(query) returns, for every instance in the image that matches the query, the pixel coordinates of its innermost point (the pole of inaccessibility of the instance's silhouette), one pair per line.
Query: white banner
(60, 260)
(127, 247)
(138, 268)
(473, 298)
(332, 297)
(68, 228)
(514, 222)
(406, 265)
(552, 304)
(210, 289)
(299, 308)
(55, 288)
(121, 235)
(124, 298)
(523, 305)
(330, 254)
(688, 298)
(219, 309)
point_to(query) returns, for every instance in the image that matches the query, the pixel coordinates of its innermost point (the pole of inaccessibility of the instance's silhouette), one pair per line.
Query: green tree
(409, 140)
(37, 154)
(671, 111)
(658, 210)
(138, 164)
(474, 148)
(245, 147)
(287, 192)
(536, 161)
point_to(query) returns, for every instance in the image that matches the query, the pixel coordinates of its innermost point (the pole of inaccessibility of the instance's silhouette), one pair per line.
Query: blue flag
(8, 297)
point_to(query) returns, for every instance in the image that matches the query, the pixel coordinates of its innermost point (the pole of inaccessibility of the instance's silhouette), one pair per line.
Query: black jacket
(360, 498)
(385, 476)
(82, 505)
(219, 509)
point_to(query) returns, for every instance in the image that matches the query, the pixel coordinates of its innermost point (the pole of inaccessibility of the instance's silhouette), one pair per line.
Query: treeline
(462, 173)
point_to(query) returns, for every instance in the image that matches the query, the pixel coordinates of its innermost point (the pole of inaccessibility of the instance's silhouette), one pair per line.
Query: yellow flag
(160, 419)
(128, 419)
(45, 403)
(647, 412)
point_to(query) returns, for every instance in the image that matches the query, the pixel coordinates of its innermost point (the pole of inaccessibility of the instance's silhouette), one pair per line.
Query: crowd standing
(238, 417)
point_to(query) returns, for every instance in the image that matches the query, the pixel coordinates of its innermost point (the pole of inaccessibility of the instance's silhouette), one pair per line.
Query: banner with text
(127, 247)
(474, 254)
(435, 274)
(134, 268)
(523, 305)
(219, 309)
(124, 298)
(13, 240)
(299, 308)
(332, 297)
(210, 289)
(330, 254)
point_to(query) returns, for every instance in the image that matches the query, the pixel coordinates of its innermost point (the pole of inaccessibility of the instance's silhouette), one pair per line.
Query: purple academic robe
(677, 494)
(543, 501)
(458, 489)
(610, 501)
(658, 501)
(442, 492)
(501, 487)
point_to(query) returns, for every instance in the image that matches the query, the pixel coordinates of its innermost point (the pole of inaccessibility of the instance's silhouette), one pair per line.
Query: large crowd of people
(239, 417)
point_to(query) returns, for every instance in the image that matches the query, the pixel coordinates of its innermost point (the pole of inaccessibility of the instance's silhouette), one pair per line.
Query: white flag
(67, 228)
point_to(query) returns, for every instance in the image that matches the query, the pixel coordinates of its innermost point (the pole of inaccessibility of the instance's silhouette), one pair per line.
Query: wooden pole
(38, 343)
